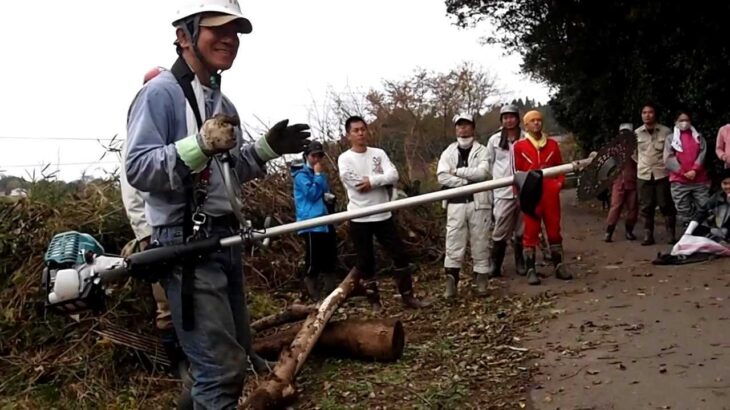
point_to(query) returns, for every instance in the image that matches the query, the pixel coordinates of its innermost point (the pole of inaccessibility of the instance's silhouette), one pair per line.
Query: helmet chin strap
(191, 28)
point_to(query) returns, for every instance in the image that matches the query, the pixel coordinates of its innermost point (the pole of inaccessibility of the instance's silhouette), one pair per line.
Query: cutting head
(606, 166)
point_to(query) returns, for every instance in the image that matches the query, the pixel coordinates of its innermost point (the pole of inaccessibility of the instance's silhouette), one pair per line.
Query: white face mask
(683, 125)
(465, 142)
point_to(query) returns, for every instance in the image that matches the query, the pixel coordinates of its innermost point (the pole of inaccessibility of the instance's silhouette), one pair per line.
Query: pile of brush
(47, 359)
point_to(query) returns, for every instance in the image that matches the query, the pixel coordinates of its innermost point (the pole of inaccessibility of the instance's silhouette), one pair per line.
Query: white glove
(691, 227)
(217, 135)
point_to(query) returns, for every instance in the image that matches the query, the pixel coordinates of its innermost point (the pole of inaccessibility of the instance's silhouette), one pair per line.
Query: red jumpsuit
(529, 158)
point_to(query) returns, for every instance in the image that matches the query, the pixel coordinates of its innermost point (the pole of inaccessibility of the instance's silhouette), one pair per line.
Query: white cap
(626, 126)
(465, 117)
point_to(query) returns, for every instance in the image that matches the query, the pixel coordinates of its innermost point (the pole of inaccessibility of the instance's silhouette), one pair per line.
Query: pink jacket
(685, 152)
(722, 147)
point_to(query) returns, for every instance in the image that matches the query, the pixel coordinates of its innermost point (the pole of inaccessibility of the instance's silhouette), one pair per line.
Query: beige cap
(219, 19)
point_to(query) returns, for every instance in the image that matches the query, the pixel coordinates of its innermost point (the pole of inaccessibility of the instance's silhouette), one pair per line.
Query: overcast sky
(72, 67)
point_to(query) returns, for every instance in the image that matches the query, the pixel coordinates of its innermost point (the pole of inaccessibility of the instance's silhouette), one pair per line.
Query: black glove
(290, 139)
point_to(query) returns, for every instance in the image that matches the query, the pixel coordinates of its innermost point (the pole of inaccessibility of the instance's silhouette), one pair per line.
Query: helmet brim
(217, 20)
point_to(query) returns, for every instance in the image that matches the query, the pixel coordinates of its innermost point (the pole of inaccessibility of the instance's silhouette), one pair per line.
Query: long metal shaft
(402, 203)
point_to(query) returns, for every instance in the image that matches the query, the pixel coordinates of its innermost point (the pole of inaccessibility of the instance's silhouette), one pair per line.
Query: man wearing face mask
(468, 217)
(684, 156)
(535, 152)
(652, 175)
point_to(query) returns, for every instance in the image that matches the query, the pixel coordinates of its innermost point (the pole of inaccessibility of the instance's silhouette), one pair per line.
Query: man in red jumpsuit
(536, 152)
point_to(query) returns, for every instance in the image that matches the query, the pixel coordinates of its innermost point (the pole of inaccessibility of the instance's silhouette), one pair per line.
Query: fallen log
(379, 340)
(278, 389)
(291, 314)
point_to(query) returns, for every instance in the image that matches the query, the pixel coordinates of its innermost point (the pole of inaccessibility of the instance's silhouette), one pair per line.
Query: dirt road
(627, 334)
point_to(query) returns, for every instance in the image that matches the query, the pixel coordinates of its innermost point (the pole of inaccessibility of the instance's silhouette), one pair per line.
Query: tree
(605, 59)
(411, 118)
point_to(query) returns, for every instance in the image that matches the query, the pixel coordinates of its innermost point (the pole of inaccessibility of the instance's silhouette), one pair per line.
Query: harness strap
(184, 77)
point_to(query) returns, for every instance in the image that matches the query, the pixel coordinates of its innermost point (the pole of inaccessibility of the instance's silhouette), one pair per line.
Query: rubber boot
(404, 281)
(648, 231)
(561, 270)
(608, 236)
(648, 237)
(329, 283)
(482, 283)
(545, 249)
(497, 255)
(452, 282)
(310, 285)
(258, 363)
(630, 233)
(184, 400)
(372, 294)
(174, 353)
(670, 222)
(520, 267)
(532, 278)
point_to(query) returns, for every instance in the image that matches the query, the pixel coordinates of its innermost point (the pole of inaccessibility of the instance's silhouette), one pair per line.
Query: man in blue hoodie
(312, 198)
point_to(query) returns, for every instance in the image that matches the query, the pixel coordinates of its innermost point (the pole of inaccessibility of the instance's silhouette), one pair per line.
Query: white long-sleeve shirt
(133, 205)
(501, 163)
(374, 164)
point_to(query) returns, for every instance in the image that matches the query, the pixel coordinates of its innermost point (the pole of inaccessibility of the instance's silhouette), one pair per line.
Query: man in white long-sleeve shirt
(368, 176)
(507, 215)
(468, 217)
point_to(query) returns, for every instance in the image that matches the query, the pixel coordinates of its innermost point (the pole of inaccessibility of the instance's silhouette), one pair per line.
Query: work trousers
(467, 225)
(507, 219)
(547, 212)
(623, 199)
(218, 343)
(653, 193)
(320, 252)
(688, 199)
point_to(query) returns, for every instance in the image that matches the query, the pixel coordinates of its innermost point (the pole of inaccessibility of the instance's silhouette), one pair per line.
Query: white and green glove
(217, 135)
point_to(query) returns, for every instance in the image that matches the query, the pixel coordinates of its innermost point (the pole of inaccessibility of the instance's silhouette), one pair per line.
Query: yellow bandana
(537, 143)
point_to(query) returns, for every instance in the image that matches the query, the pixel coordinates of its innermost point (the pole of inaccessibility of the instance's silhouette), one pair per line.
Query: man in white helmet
(462, 163)
(506, 211)
(178, 124)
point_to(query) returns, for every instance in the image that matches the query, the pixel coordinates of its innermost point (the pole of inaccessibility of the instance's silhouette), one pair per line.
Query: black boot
(184, 400)
(670, 222)
(310, 285)
(561, 270)
(372, 294)
(648, 231)
(452, 282)
(329, 282)
(532, 278)
(630, 233)
(175, 354)
(608, 236)
(404, 281)
(648, 237)
(499, 248)
(520, 267)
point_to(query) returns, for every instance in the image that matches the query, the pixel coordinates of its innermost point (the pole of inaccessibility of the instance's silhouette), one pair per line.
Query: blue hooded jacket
(309, 190)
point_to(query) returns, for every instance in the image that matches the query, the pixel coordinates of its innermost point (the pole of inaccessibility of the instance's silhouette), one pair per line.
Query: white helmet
(189, 8)
(626, 126)
(463, 117)
(509, 109)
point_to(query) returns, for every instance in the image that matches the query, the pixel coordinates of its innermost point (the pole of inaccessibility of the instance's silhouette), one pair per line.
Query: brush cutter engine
(71, 277)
